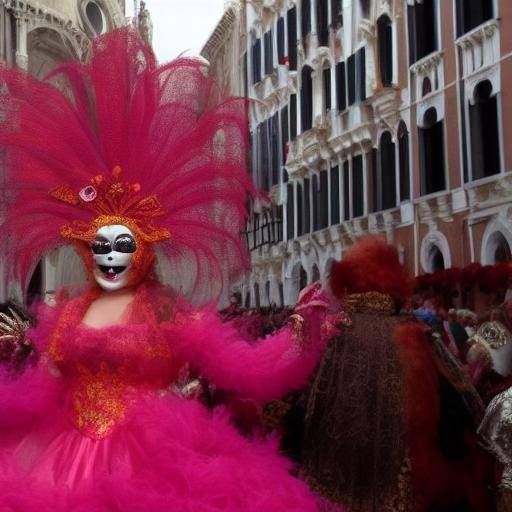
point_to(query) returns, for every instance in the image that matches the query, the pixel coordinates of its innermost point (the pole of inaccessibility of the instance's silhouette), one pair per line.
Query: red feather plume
(371, 265)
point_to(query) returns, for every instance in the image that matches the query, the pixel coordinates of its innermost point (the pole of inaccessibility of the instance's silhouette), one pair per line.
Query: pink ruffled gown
(94, 428)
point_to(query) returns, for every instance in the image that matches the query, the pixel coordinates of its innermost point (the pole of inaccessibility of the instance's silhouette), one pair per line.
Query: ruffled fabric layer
(171, 454)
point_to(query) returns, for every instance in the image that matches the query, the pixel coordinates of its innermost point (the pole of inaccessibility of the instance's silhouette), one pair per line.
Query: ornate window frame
(434, 239)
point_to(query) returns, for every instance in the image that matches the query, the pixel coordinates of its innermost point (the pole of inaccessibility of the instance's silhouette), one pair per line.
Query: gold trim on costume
(370, 302)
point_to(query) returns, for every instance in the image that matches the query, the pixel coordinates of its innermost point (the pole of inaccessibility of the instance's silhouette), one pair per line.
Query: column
(21, 42)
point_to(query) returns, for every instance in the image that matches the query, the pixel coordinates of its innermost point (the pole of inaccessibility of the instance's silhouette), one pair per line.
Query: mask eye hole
(125, 244)
(101, 247)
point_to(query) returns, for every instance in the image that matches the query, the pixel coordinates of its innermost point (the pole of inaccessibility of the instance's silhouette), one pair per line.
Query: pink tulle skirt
(171, 455)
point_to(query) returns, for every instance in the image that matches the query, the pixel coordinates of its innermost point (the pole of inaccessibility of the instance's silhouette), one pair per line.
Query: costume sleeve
(263, 371)
(496, 433)
(34, 393)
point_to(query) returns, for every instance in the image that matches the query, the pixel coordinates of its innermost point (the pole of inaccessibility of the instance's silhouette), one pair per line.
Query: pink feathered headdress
(127, 139)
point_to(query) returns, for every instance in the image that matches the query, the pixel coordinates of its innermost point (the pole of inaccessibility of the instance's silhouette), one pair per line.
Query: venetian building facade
(37, 36)
(374, 117)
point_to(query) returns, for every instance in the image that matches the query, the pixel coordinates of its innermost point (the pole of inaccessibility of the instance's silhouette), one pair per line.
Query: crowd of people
(449, 362)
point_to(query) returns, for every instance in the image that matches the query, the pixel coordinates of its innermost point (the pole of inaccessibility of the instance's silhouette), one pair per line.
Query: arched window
(306, 99)
(35, 286)
(471, 13)
(300, 210)
(324, 200)
(247, 303)
(290, 212)
(337, 13)
(385, 45)
(95, 18)
(257, 297)
(322, 22)
(267, 292)
(280, 41)
(306, 213)
(268, 47)
(305, 14)
(388, 171)
(303, 278)
(422, 27)
(358, 192)
(315, 189)
(436, 259)
(502, 252)
(426, 86)
(403, 162)
(315, 274)
(256, 60)
(495, 247)
(431, 143)
(291, 18)
(485, 137)
(365, 8)
(327, 87)
(335, 195)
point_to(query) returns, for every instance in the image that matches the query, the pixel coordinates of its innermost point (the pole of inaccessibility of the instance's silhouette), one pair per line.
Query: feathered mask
(121, 140)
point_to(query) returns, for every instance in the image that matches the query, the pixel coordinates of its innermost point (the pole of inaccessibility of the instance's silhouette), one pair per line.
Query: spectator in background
(490, 353)
(234, 308)
(459, 334)
(447, 334)
(468, 320)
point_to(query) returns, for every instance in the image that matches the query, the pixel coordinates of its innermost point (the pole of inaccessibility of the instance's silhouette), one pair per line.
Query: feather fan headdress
(131, 142)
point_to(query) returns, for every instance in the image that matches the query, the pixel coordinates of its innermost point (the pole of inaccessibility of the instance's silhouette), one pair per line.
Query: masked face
(113, 251)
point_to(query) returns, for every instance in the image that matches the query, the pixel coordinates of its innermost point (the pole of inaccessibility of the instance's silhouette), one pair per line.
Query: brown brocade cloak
(390, 421)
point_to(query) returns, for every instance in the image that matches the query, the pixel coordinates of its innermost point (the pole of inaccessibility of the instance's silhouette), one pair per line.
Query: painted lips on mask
(111, 273)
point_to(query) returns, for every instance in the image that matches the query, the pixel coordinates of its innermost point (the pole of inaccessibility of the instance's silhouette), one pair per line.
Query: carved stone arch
(384, 8)
(326, 61)
(47, 47)
(435, 102)
(432, 245)
(400, 125)
(298, 281)
(498, 232)
(383, 127)
(491, 75)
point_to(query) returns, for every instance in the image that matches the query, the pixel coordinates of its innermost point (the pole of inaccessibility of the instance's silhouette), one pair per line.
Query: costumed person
(495, 431)
(129, 158)
(490, 353)
(490, 357)
(391, 416)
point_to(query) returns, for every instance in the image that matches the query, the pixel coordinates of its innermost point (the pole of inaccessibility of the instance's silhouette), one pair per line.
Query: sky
(181, 25)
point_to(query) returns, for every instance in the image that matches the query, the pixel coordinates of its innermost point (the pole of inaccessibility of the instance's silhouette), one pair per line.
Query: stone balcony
(494, 191)
(479, 48)
(431, 67)
(435, 207)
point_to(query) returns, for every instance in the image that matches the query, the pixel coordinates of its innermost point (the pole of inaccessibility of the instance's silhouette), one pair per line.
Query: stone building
(383, 117)
(37, 36)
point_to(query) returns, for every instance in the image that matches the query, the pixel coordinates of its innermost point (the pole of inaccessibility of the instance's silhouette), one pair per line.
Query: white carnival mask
(113, 250)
